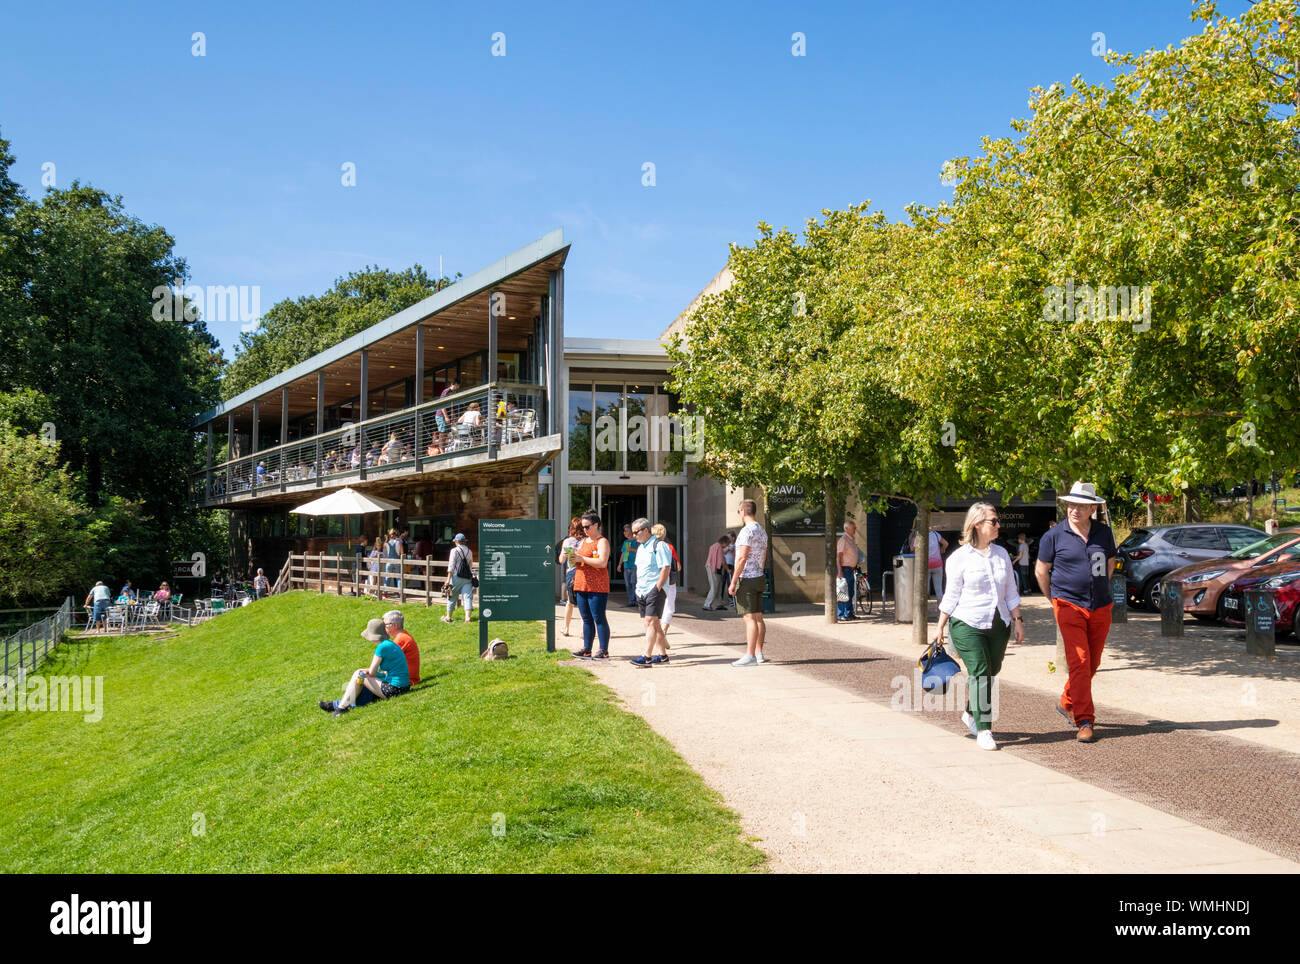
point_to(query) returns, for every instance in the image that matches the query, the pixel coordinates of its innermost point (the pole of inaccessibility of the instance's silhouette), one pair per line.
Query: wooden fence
(405, 580)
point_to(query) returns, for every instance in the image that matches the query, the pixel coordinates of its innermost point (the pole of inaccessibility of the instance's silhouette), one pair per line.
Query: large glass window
(580, 422)
(581, 498)
(609, 444)
(471, 371)
(638, 434)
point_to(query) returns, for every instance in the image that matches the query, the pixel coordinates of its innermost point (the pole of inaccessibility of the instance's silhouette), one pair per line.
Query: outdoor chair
(116, 617)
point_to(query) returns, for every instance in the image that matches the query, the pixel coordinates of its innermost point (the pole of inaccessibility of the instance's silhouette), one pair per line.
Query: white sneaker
(970, 724)
(985, 740)
(745, 660)
(758, 658)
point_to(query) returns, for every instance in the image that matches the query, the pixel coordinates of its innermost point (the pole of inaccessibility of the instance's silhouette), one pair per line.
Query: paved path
(831, 772)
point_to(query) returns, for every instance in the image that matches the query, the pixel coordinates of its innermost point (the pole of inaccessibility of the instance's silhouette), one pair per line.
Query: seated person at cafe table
(163, 594)
(386, 677)
(127, 595)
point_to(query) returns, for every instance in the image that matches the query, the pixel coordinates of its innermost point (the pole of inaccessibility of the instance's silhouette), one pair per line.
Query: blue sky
(467, 155)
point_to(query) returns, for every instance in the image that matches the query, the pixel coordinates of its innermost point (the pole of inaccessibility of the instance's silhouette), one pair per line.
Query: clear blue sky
(462, 154)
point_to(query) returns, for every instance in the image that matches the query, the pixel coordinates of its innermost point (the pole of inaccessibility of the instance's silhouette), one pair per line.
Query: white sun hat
(1083, 493)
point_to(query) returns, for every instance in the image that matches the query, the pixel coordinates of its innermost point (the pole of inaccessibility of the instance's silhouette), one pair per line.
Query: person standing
(627, 564)
(983, 604)
(97, 601)
(1021, 561)
(591, 587)
(654, 565)
(847, 555)
(461, 572)
(670, 590)
(715, 567)
(376, 552)
(393, 550)
(748, 582)
(261, 585)
(729, 567)
(938, 546)
(567, 549)
(1076, 558)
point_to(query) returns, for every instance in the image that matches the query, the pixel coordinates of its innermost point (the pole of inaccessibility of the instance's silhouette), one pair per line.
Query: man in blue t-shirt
(653, 567)
(1075, 561)
(387, 676)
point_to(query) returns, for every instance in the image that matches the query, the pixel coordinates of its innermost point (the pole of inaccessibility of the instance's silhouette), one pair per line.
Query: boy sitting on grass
(386, 677)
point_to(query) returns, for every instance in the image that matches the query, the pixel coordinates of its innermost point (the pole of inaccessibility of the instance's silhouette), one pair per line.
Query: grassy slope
(222, 720)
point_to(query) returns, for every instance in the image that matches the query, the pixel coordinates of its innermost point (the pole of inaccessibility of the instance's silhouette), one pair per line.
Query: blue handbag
(937, 668)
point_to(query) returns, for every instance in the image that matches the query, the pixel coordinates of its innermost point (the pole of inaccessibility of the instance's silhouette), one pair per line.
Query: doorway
(619, 506)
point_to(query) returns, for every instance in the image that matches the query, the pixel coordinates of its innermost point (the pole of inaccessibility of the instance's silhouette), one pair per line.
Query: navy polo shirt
(1078, 570)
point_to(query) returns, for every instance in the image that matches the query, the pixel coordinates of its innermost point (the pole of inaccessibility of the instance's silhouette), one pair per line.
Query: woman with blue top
(386, 677)
(982, 603)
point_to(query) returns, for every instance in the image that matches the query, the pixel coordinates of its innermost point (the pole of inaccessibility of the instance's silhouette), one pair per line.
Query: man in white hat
(1075, 560)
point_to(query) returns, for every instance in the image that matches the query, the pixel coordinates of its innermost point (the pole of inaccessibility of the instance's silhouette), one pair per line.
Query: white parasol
(346, 501)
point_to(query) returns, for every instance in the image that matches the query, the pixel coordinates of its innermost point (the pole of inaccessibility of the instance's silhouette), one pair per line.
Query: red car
(1282, 580)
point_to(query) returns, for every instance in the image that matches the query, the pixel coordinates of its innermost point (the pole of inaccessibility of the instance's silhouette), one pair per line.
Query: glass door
(669, 505)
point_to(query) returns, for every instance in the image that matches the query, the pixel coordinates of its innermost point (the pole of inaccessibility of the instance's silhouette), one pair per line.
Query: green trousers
(982, 651)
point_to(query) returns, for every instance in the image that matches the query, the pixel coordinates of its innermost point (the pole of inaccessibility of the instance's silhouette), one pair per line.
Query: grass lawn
(217, 730)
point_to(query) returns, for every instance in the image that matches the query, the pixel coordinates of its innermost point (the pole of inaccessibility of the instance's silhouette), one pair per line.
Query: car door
(1238, 537)
(1201, 543)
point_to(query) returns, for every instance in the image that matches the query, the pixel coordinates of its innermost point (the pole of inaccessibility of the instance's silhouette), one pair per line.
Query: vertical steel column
(257, 417)
(419, 395)
(365, 402)
(320, 424)
(284, 434)
(494, 310)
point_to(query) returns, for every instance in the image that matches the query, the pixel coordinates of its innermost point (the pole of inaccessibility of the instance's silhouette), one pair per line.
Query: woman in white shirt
(983, 605)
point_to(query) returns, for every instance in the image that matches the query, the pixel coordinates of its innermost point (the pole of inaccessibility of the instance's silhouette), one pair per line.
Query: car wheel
(1151, 595)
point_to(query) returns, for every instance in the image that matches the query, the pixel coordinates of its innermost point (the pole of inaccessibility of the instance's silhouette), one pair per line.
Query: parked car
(1148, 554)
(1282, 580)
(1204, 582)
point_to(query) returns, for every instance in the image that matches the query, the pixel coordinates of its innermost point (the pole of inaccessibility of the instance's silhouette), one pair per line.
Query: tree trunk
(1151, 513)
(832, 568)
(1250, 503)
(1272, 478)
(921, 584)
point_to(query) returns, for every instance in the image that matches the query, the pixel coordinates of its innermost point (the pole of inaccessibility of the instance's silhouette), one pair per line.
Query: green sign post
(516, 574)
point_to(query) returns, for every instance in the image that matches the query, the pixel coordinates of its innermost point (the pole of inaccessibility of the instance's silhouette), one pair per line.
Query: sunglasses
(588, 525)
(994, 522)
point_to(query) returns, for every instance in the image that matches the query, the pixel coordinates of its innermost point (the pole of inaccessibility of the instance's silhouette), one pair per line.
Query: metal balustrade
(460, 424)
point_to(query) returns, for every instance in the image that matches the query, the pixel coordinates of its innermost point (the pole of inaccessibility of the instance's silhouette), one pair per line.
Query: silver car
(1148, 554)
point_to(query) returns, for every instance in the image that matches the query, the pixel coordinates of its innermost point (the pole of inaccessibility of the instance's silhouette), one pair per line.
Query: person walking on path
(654, 566)
(716, 567)
(591, 587)
(627, 564)
(983, 604)
(748, 582)
(1076, 558)
(567, 549)
(670, 590)
(938, 546)
(1021, 560)
(459, 569)
(847, 555)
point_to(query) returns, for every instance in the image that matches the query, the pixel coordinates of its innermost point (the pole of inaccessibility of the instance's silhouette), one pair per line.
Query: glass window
(1207, 538)
(471, 371)
(543, 500)
(580, 428)
(508, 365)
(336, 525)
(609, 444)
(580, 500)
(1240, 538)
(638, 429)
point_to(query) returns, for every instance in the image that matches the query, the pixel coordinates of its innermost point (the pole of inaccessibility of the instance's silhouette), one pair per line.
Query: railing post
(338, 579)
(401, 580)
(428, 581)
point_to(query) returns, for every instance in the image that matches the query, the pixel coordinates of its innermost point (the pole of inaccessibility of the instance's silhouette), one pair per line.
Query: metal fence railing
(502, 412)
(26, 648)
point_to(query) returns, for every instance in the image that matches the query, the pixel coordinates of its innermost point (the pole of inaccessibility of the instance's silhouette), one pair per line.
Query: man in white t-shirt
(748, 582)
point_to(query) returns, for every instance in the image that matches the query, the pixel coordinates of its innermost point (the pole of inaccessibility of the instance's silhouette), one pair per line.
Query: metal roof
(485, 278)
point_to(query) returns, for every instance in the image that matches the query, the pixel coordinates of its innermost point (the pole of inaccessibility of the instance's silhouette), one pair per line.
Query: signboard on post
(790, 512)
(516, 574)
(1171, 609)
(1261, 623)
(1119, 599)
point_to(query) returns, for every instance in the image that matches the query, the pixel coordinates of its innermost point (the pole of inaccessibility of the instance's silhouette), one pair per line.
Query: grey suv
(1147, 554)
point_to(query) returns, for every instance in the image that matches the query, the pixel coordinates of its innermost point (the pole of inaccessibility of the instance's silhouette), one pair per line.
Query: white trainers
(745, 660)
(758, 658)
(985, 740)
(970, 724)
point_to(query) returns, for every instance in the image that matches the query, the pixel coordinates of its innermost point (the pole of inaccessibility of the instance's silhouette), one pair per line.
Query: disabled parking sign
(1261, 623)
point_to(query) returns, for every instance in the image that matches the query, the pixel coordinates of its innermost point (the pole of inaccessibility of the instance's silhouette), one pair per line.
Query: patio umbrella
(346, 501)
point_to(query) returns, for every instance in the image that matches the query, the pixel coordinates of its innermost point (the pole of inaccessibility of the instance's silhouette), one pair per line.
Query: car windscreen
(1264, 545)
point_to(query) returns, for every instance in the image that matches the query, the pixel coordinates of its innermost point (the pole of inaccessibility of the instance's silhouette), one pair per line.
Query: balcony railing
(437, 430)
